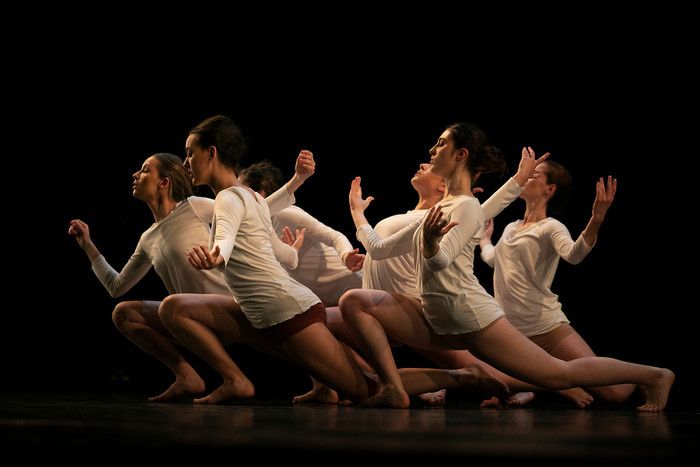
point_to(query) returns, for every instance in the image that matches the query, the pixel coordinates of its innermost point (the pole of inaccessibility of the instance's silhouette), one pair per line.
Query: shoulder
(199, 201)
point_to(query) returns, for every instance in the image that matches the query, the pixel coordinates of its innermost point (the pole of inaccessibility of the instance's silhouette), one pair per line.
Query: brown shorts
(280, 332)
(551, 339)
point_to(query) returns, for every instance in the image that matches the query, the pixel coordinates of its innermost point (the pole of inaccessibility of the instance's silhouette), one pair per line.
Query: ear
(164, 182)
(212, 152)
(462, 154)
(550, 190)
(441, 187)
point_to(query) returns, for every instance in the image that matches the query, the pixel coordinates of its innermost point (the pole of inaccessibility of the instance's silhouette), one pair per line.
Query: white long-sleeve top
(453, 300)
(398, 273)
(243, 231)
(164, 246)
(525, 260)
(320, 267)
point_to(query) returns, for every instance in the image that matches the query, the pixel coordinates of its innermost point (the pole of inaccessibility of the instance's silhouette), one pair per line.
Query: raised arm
(303, 169)
(397, 244)
(116, 283)
(510, 190)
(604, 196)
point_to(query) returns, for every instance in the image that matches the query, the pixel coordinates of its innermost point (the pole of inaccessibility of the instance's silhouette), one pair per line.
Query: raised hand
(604, 196)
(201, 258)
(357, 203)
(354, 260)
(527, 165)
(305, 165)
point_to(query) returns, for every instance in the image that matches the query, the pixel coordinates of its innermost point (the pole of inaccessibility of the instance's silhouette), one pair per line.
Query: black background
(371, 109)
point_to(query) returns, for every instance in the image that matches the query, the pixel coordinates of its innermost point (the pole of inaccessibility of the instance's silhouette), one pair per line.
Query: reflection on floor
(124, 425)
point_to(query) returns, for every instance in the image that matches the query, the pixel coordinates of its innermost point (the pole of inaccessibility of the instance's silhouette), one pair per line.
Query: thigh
(572, 347)
(147, 311)
(222, 316)
(507, 349)
(402, 319)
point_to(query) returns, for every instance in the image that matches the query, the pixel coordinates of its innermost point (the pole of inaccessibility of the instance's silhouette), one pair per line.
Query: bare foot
(230, 389)
(388, 396)
(657, 393)
(433, 399)
(320, 394)
(519, 399)
(578, 396)
(475, 377)
(182, 388)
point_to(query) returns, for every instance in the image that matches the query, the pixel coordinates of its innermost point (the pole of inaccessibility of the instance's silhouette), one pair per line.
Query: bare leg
(360, 309)
(139, 322)
(511, 351)
(572, 347)
(522, 391)
(205, 323)
(500, 343)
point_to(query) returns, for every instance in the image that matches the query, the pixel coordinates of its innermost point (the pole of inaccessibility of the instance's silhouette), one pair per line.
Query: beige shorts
(549, 340)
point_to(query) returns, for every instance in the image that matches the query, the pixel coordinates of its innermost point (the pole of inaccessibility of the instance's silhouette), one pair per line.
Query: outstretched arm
(81, 232)
(397, 244)
(116, 283)
(574, 251)
(604, 196)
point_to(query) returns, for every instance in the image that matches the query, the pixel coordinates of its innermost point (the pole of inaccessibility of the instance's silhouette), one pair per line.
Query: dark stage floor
(85, 426)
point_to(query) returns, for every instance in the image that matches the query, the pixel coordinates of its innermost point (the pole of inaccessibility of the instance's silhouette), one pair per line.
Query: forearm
(294, 183)
(91, 250)
(358, 218)
(590, 233)
(430, 248)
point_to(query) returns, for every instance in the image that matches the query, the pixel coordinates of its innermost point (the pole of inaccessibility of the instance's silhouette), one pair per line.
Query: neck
(224, 179)
(161, 208)
(428, 201)
(458, 183)
(535, 211)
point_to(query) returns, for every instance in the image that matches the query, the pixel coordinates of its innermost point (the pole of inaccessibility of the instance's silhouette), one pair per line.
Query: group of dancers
(249, 267)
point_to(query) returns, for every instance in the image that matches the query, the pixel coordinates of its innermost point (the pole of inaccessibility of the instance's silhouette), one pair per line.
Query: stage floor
(120, 426)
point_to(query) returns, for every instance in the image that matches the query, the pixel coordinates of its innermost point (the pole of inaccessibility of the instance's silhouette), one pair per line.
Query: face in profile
(196, 160)
(146, 180)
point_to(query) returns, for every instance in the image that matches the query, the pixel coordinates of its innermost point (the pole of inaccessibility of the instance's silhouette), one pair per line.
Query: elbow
(115, 293)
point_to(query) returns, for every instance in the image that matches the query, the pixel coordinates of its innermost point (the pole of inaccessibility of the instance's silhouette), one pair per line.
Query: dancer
(457, 313)
(525, 260)
(328, 264)
(181, 221)
(288, 313)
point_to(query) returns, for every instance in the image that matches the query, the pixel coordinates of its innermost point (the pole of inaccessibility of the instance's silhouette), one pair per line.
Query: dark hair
(483, 158)
(221, 132)
(557, 174)
(170, 166)
(262, 176)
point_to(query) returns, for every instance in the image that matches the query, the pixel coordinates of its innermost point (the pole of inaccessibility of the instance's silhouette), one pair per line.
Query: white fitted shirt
(243, 231)
(320, 267)
(453, 300)
(525, 260)
(164, 246)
